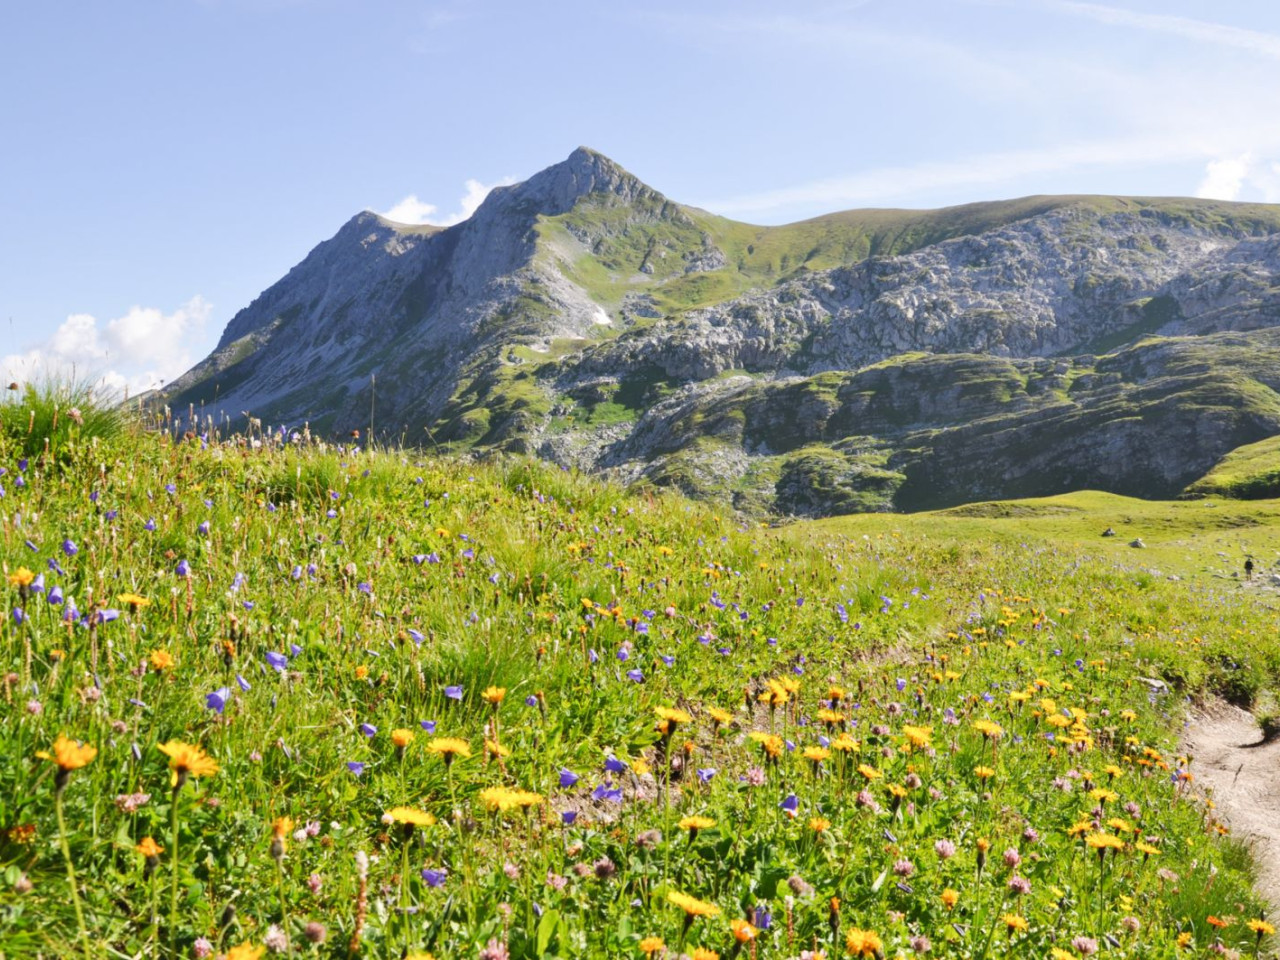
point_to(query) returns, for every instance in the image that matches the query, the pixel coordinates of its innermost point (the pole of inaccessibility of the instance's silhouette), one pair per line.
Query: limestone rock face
(867, 360)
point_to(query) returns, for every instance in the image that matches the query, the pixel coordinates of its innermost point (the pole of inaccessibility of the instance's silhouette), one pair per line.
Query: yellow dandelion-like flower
(719, 716)
(401, 737)
(161, 660)
(133, 600)
(771, 743)
(68, 754)
(1104, 841)
(863, 943)
(692, 906)
(22, 577)
(819, 824)
(449, 747)
(651, 945)
(524, 799)
(672, 715)
(816, 754)
(989, 729)
(743, 932)
(1261, 927)
(983, 773)
(950, 898)
(410, 816)
(498, 799)
(694, 824)
(149, 848)
(1013, 922)
(870, 772)
(494, 695)
(245, 952)
(702, 953)
(187, 760)
(919, 737)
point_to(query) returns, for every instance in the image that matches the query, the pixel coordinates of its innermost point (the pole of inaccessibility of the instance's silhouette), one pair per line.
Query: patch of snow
(600, 317)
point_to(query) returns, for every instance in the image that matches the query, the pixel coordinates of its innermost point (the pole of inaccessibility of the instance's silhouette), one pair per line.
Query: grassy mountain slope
(861, 360)
(1250, 472)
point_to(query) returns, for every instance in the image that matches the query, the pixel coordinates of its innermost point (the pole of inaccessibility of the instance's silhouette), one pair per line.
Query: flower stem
(284, 907)
(404, 883)
(177, 867)
(71, 870)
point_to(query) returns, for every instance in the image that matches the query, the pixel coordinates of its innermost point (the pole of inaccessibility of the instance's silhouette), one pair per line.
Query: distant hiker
(1108, 532)
(1248, 568)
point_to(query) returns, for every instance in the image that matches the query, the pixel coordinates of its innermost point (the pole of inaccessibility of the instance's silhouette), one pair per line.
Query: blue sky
(166, 161)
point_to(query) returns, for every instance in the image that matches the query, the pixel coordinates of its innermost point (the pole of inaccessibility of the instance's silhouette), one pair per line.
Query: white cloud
(135, 352)
(413, 210)
(1244, 177)
(1224, 179)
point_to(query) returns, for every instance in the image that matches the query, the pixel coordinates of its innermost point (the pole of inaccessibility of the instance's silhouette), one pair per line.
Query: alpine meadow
(833, 513)
(331, 700)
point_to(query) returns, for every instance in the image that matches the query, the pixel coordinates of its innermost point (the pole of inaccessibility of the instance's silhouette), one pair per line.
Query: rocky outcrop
(867, 360)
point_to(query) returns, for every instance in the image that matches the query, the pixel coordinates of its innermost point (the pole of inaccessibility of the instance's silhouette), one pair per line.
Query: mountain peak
(556, 189)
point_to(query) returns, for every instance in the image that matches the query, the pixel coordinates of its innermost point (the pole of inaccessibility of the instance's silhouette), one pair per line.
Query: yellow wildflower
(68, 754)
(692, 906)
(863, 943)
(187, 760)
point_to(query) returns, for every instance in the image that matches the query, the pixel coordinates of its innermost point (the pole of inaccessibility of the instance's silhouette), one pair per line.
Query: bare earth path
(1242, 775)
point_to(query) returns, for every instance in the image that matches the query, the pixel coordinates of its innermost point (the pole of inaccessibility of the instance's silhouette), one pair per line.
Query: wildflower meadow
(266, 696)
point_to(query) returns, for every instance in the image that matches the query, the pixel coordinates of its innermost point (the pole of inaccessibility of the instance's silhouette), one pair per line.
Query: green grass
(349, 587)
(1250, 472)
(57, 421)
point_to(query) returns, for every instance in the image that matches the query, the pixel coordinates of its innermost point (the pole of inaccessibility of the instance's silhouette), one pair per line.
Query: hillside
(329, 702)
(842, 363)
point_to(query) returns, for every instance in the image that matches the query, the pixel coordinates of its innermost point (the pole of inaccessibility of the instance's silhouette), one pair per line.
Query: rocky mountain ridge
(855, 361)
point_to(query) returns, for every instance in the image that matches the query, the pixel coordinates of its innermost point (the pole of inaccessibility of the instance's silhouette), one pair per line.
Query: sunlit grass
(935, 702)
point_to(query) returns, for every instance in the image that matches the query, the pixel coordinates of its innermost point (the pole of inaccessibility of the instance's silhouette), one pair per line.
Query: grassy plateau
(265, 696)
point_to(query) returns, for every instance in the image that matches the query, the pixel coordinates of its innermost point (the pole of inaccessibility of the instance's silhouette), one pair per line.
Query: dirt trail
(1242, 775)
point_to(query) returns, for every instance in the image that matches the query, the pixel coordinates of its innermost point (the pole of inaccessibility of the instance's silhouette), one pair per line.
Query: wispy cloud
(137, 351)
(884, 184)
(1204, 31)
(413, 210)
(837, 31)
